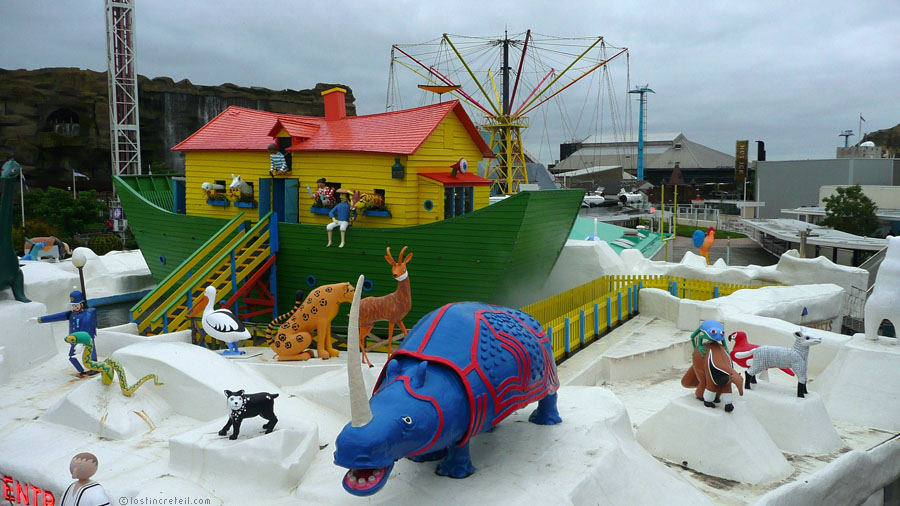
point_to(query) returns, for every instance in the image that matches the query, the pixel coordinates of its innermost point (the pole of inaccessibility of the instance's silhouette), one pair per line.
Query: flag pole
(860, 128)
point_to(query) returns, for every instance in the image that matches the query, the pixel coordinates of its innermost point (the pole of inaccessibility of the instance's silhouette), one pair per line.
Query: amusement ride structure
(545, 66)
(124, 128)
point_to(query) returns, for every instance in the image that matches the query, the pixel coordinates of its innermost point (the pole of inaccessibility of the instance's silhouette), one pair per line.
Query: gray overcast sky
(791, 73)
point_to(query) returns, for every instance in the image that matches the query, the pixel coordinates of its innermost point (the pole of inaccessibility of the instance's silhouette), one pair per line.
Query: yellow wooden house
(406, 157)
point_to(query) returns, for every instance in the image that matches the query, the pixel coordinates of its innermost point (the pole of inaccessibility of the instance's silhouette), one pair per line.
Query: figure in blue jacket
(81, 318)
(340, 217)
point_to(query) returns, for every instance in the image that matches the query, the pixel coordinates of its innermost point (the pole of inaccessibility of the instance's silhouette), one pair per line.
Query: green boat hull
(500, 254)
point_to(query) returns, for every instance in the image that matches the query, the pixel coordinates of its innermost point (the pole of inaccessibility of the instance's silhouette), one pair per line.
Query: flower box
(320, 210)
(223, 203)
(245, 204)
(369, 212)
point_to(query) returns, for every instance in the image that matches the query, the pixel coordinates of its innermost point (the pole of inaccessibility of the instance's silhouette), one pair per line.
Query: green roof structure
(645, 242)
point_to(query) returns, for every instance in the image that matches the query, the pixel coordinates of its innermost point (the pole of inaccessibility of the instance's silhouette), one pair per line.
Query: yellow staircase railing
(226, 260)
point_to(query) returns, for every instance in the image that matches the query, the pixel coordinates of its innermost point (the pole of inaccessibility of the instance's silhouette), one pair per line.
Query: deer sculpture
(392, 307)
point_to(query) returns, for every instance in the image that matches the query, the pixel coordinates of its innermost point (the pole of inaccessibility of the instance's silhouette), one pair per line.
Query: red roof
(467, 179)
(397, 132)
(294, 127)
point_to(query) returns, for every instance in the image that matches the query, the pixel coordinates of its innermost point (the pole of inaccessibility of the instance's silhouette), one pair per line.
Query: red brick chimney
(335, 107)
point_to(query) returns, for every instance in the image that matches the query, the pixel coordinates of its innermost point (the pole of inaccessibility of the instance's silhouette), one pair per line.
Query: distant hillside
(56, 120)
(887, 139)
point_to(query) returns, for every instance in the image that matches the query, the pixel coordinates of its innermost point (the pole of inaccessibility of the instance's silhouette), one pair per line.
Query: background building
(698, 163)
(794, 183)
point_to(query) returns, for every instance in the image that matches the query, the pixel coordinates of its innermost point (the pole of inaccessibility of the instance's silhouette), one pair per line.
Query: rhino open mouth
(364, 482)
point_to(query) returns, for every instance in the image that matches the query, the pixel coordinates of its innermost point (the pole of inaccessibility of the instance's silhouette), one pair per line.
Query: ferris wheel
(501, 80)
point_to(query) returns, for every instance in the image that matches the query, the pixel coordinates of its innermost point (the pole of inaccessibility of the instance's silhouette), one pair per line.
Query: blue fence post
(166, 323)
(619, 306)
(608, 313)
(273, 288)
(716, 292)
(596, 319)
(234, 287)
(629, 301)
(672, 288)
(567, 336)
(582, 327)
(550, 334)
(637, 296)
(190, 295)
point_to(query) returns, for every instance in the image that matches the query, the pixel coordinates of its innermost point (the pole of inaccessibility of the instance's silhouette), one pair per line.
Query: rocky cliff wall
(56, 120)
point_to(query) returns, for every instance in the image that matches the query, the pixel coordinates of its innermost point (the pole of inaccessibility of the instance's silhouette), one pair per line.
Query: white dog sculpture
(883, 303)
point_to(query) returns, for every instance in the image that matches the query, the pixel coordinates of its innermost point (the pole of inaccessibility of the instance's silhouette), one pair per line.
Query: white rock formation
(252, 467)
(862, 383)
(796, 425)
(884, 302)
(732, 445)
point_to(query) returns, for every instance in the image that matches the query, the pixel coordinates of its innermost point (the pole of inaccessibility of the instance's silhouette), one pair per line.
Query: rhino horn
(360, 413)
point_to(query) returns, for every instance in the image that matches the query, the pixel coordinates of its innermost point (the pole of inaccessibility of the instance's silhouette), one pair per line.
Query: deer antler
(389, 258)
(401, 260)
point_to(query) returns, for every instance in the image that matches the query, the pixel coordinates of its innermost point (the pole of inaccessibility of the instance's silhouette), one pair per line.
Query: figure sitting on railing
(341, 216)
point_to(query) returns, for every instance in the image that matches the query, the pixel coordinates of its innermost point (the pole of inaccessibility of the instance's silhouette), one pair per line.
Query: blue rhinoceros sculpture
(461, 370)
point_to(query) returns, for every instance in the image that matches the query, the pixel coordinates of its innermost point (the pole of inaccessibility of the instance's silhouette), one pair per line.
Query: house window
(283, 144)
(677, 145)
(458, 200)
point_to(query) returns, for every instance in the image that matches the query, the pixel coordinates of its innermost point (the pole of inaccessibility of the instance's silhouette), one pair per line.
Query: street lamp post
(78, 260)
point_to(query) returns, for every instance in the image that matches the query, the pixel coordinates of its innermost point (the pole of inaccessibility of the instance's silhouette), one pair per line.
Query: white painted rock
(103, 410)
(48, 284)
(252, 466)
(331, 389)
(862, 383)
(26, 343)
(195, 378)
(5, 369)
(732, 445)
(591, 458)
(110, 339)
(796, 425)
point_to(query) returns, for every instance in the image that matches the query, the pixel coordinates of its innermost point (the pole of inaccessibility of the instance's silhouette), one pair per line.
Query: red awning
(467, 179)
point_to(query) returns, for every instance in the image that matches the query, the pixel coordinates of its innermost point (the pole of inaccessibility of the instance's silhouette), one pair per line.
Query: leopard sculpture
(291, 334)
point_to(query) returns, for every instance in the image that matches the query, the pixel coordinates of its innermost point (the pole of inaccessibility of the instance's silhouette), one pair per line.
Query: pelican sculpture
(222, 324)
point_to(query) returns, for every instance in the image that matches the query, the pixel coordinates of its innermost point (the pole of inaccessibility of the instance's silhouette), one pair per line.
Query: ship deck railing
(577, 317)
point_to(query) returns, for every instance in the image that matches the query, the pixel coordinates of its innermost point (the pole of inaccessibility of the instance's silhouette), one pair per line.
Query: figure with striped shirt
(278, 163)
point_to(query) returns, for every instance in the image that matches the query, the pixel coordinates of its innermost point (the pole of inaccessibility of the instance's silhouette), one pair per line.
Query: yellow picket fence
(583, 314)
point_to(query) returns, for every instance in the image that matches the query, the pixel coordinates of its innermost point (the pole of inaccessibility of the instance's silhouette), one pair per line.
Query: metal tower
(642, 90)
(124, 131)
(846, 135)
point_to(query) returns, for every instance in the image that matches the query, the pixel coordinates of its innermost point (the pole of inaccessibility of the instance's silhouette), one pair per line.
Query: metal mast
(505, 116)
(506, 136)
(846, 135)
(124, 131)
(642, 90)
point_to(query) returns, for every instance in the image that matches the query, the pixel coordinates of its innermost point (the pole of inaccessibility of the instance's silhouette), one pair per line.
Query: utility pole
(642, 91)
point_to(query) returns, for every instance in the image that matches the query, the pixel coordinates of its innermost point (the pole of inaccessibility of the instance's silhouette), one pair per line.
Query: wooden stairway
(225, 261)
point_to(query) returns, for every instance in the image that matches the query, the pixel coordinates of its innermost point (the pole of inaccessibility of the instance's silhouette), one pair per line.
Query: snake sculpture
(109, 367)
